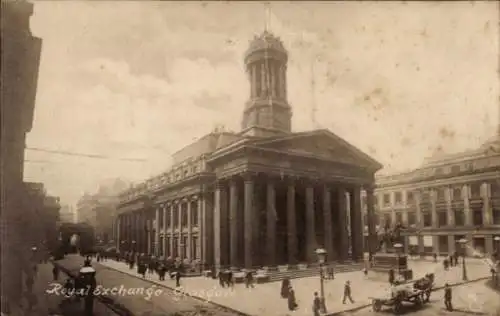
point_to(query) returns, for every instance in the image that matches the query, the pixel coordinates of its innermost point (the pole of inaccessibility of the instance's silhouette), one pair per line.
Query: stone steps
(313, 271)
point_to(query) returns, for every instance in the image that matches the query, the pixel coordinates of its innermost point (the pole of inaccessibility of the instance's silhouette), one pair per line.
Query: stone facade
(263, 197)
(449, 198)
(20, 60)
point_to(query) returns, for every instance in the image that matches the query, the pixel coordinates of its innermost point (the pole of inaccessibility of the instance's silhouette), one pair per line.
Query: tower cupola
(267, 111)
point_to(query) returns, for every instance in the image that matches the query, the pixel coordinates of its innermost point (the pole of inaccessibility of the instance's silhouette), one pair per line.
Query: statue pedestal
(383, 262)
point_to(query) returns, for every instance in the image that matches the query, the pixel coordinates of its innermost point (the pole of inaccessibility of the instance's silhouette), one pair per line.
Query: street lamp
(463, 243)
(496, 264)
(321, 253)
(398, 247)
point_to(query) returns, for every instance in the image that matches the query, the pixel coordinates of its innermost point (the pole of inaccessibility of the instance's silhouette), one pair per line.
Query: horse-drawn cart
(417, 294)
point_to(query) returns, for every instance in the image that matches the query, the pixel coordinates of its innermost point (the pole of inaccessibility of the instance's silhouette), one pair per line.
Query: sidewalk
(253, 301)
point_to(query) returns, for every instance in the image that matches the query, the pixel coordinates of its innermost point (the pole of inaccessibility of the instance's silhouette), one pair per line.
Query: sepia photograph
(250, 158)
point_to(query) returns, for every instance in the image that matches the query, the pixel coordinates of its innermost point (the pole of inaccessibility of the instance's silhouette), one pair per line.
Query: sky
(142, 79)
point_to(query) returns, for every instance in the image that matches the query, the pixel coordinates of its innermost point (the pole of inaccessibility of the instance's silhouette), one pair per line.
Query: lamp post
(398, 247)
(463, 243)
(321, 253)
(496, 264)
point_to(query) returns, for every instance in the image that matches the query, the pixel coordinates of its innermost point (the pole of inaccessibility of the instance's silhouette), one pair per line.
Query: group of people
(450, 261)
(151, 265)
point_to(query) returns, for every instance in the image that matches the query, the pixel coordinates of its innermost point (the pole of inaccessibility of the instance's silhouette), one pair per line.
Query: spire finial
(267, 24)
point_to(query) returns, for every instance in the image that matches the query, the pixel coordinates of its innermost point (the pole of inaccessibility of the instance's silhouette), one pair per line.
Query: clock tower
(267, 112)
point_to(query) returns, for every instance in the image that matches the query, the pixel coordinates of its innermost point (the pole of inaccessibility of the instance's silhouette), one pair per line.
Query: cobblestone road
(143, 298)
(49, 304)
(469, 299)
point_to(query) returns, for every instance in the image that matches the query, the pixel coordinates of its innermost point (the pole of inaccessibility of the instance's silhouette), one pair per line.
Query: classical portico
(264, 196)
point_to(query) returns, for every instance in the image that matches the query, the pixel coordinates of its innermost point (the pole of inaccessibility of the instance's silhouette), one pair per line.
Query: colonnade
(264, 221)
(253, 220)
(170, 229)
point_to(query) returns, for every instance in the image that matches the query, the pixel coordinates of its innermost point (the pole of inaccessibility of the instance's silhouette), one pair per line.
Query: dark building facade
(20, 55)
(264, 196)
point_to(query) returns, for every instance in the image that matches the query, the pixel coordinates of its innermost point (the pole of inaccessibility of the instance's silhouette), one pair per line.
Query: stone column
(179, 220)
(310, 226)
(217, 225)
(327, 217)
(171, 228)
(271, 218)
(488, 245)
(467, 210)
(434, 216)
(451, 244)
(487, 211)
(253, 76)
(370, 210)
(201, 228)
(157, 232)
(249, 219)
(118, 231)
(273, 67)
(263, 79)
(190, 232)
(164, 240)
(356, 224)
(233, 222)
(149, 228)
(344, 234)
(291, 223)
(449, 209)
(435, 245)
(420, 224)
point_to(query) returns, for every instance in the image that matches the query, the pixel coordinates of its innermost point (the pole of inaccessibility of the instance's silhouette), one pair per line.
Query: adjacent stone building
(449, 198)
(20, 57)
(259, 197)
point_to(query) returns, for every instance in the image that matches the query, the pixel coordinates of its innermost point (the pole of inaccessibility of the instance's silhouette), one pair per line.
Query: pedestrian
(285, 287)
(87, 275)
(330, 273)
(55, 272)
(447, 297)
(391, 276)
(222, 282)
(445, 264)
(178, 278)
(316, 304)
(435, 256)
(292, 302)
(365, 271)
(347, 292)
(450, 260)
(249, 279)
(230, 280)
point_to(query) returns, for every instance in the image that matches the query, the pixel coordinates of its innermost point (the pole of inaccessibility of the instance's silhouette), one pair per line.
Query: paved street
(265, 298)
(142, 297)
(470, 299)
(49, 304)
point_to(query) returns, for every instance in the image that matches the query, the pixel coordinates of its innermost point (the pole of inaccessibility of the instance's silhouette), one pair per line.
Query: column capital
(249, 176)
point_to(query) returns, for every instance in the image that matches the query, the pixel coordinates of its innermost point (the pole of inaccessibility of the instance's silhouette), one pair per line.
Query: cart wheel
(376, 305)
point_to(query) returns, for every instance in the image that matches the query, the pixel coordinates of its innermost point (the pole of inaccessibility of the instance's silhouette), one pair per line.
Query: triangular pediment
(322, 144)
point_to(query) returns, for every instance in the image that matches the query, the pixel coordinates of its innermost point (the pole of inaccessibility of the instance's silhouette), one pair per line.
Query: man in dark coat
(347, 292)
(447, 297)
(316, 304)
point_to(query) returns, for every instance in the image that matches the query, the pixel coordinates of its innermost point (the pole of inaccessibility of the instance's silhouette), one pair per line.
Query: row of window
(184, 249)
(455, 194)
(441, 218)
(173, 213)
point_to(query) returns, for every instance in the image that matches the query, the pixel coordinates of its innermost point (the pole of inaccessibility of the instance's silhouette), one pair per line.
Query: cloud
(385, 76)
